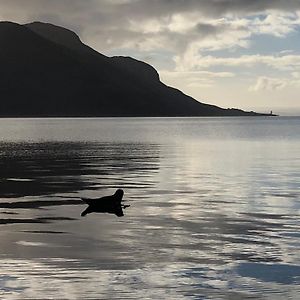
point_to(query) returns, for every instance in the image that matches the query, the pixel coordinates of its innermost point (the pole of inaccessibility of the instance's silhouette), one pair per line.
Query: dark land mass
(46, 71)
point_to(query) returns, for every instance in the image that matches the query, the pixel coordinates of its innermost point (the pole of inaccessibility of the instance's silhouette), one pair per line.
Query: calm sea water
(214, 208)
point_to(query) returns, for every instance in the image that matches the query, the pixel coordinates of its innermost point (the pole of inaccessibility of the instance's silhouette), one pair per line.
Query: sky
(231, 53)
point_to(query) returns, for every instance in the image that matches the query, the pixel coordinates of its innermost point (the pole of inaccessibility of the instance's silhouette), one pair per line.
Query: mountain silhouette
(46, 71)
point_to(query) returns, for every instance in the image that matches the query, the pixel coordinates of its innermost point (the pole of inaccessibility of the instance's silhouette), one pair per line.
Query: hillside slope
(47, 71)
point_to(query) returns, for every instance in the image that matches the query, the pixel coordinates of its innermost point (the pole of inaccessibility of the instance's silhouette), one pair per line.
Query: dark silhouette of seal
(108, 204)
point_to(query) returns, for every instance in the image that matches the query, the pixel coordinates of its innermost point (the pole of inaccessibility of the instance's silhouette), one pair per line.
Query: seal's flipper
(86, 211)
(119, 212)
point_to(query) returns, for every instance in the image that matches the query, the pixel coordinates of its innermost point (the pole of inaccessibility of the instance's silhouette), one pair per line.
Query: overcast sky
(232, 53)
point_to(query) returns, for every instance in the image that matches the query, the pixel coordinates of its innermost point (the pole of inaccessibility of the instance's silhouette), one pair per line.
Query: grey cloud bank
(111, 14)
(140, 24)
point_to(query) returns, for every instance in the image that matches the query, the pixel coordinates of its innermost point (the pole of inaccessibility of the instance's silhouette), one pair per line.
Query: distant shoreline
(137, 117)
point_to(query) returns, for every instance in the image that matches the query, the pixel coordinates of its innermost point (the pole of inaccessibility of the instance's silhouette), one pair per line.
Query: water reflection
(35, 169)
(41, 175)
(279, 273)
(40, 220)
(209, 218)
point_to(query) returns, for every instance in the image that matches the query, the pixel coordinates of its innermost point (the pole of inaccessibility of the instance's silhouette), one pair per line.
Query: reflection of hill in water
(55, 170)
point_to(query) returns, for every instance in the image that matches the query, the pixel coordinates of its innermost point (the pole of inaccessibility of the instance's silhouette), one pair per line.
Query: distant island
(46, 71)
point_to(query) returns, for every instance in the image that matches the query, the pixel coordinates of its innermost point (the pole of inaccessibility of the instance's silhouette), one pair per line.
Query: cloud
(276, 23)
(215, 8)
(199, 73)
(264, 83)
(193, 79)
(233, 33)
(296, 75)
(199, 62)
(171, 24)
(268, 84)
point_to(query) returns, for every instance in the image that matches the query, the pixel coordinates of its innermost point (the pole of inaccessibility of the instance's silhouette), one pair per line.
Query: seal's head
(119, 194)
